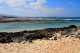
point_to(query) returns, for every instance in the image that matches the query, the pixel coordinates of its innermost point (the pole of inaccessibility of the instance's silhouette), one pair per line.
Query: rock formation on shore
(47, 34)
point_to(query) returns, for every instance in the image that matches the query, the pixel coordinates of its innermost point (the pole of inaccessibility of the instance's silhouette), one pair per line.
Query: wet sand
(65, 45)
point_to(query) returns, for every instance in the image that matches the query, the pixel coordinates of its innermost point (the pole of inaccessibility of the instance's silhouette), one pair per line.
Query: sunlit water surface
(16, 26)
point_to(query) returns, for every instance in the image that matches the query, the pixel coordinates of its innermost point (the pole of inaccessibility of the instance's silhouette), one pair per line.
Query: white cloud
(24, 3)
(30, 7)
(14, 3)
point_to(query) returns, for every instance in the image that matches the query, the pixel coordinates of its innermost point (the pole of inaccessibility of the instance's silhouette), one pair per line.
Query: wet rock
(5, 37)
(31, 37)
(47, 34)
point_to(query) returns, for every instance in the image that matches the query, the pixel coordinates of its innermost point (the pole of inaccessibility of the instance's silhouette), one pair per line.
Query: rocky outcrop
(47, 34)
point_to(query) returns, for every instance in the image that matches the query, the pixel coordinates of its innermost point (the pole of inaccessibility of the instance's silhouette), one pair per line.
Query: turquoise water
(37, 25)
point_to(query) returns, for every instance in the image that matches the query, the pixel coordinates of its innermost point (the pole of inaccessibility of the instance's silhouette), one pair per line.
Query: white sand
(68, 45)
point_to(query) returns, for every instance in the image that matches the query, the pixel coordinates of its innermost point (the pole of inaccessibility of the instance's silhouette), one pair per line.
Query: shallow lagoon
(34, 25)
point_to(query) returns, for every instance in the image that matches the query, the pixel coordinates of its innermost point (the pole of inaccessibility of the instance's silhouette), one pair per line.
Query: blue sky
(41, 8)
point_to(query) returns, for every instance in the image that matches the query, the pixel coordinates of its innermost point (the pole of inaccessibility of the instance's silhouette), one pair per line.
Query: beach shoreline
(66, 45)
(47, 34)
(49, 40)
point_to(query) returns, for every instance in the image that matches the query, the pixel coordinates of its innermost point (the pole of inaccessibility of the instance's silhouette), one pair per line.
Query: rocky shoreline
(46, 34)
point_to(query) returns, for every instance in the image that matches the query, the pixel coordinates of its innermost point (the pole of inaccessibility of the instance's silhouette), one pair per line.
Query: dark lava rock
(18, 37)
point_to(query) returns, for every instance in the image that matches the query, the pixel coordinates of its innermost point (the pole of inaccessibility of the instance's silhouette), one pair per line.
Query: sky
(40, 8)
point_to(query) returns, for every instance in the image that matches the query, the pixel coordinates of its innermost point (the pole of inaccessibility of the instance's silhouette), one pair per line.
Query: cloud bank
(32, 8)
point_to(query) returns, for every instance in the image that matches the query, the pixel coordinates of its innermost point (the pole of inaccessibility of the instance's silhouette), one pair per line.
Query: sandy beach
(51, 40)
(39, 26)
(65, 45)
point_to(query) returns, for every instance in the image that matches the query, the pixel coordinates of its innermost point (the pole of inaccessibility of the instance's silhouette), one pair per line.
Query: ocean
(35, 25)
